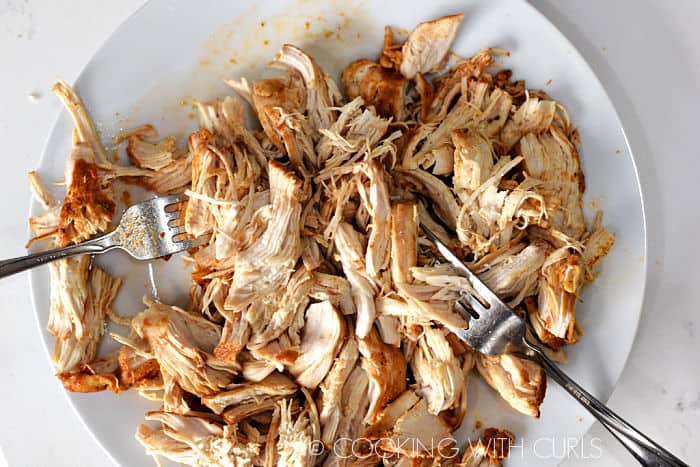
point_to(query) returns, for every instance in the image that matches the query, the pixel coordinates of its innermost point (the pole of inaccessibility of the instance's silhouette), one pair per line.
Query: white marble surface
(647, 54)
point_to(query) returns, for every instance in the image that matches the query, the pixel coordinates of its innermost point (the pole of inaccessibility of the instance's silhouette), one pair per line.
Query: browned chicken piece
(196, 440)
(554, 318)
(98, 375)
(448, 86)
(520, 382)
(181, 343)
(596, 247)
(391, 52)
(280, 105)
(88, 206)
(490, 450)
(322, 94)
(427, 46)
(473, 161)
(551, 158)
(324, 332)
(404, 241)
(274, 386)
(438, 373)
(384, 89)
(386, 367)
(349, 246)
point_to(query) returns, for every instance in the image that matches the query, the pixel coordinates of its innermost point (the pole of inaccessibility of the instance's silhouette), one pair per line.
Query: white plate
(173, 50)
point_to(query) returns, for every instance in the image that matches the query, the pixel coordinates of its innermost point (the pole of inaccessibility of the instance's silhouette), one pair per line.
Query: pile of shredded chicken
(318, 311)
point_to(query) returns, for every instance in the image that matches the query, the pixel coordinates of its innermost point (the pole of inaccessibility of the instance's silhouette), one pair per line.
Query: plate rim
(32, 277)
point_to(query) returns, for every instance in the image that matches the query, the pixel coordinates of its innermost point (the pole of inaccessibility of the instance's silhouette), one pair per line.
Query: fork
(147, 230)
(495, 329)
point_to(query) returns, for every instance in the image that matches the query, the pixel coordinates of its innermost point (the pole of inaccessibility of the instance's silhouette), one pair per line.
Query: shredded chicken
(319, 314)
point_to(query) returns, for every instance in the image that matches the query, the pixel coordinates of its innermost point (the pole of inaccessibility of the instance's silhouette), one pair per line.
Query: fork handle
(646, 451)
(93, 246)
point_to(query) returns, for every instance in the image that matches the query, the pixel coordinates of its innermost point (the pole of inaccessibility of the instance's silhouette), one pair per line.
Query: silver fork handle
(646, 451)
(93, 246)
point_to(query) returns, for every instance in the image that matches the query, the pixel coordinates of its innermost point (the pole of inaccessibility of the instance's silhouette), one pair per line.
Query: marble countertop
(646, 53)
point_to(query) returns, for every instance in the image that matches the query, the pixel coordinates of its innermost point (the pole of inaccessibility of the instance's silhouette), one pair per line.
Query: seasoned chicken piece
(378, 245)
(479, 110)
(295, 437)
(438, 373)
(274, 386)
(473, 161)
(215, 179)
(417, 433)
(322, 94)
(226, 120)
(520, 382)
(95, 376)
(490, 450)
(197, 441)
(551, 158)
(267, 264)
(384, 89)
(280, 106)
(324, 332)
(427, 46)
(332, 390)
(596, 247)
(515, 275)
(386, 368)
(349, 246)
(533, 116)
(449, 85)
(554, 318)
(182, 342)
(88, 206)
(404, 241)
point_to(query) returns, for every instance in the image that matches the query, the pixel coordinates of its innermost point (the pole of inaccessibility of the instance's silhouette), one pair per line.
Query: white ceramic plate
(172, 51)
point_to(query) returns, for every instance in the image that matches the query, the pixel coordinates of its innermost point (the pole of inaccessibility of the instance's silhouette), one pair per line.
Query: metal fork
(147, 230)
(494, 329)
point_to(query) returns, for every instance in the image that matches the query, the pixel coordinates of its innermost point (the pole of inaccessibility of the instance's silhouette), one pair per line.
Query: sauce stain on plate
(244, 46)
